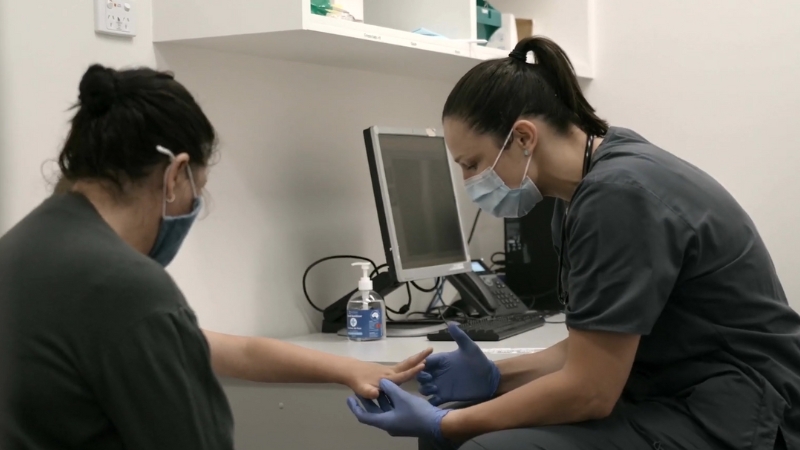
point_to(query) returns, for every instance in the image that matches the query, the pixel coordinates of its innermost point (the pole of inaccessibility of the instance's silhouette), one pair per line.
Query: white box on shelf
(354, 7)
(449, 18)
(386, 35)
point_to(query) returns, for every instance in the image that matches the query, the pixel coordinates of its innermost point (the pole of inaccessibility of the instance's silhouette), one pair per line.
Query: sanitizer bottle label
(364, 323)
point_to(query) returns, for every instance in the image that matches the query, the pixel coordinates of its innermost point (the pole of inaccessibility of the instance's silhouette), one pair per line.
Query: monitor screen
(423, 201)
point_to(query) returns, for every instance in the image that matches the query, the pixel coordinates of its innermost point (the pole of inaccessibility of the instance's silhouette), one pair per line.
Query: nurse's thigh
(606, 434)
(650, 426)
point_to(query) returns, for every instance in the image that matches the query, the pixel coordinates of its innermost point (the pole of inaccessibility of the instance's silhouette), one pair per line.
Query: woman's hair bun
(98, 89)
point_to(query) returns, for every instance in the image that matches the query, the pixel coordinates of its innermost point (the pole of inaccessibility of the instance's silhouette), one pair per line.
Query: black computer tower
(531, 261)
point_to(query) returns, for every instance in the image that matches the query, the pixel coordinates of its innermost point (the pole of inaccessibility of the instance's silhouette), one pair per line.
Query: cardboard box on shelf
(524, 28)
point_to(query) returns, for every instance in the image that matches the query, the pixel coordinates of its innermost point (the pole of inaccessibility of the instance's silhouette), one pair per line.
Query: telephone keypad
(501, 292)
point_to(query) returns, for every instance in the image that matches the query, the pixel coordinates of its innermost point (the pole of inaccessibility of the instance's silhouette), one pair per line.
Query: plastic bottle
(366, 311)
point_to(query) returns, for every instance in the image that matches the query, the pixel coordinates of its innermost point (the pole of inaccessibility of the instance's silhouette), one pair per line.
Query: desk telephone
(485, 293)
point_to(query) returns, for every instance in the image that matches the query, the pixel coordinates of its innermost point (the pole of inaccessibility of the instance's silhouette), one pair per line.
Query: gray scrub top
(656, 247)
(107, 354)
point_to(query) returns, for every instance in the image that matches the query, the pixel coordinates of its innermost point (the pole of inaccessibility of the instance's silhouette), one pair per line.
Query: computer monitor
(418, 215)
(418, 212)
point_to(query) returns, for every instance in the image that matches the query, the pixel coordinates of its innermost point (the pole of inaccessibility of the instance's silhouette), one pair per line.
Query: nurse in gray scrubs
(680, 334)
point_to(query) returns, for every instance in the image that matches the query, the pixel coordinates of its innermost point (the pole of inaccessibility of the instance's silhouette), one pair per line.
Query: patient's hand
(365, 377)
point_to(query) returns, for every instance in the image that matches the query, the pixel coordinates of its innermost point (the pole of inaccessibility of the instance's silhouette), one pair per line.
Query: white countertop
(394, 350)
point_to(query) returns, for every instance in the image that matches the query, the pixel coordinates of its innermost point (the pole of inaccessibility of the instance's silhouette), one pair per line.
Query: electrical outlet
(117, 17)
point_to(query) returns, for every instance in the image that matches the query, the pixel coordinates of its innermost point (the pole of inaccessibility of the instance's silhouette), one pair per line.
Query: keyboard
(494, 328)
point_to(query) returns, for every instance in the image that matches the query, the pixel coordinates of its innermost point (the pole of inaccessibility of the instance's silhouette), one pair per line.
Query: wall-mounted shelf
(287, 30)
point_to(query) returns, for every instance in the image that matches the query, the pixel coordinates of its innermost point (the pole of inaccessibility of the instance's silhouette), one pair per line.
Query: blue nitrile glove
(462, 375)
(400, 413)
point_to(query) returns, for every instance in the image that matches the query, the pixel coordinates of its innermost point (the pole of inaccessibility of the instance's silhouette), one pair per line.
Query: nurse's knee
(522, 439)
(430, 444)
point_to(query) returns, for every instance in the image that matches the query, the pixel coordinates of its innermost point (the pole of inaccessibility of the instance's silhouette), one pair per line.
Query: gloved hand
(465, 374)
(399, 413)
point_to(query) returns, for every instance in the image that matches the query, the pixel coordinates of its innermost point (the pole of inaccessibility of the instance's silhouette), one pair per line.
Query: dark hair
(495, 93)
(122, 116)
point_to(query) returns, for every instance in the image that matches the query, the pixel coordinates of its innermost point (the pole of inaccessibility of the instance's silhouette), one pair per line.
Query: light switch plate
(117, 17)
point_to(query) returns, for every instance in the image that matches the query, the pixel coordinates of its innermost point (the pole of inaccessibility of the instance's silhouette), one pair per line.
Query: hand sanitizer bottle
(366, 311)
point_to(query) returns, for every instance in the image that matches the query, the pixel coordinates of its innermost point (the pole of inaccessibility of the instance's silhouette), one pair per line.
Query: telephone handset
(483, 291)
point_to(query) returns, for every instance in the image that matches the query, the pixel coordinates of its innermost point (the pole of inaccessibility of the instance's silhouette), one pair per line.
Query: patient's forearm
(271, 360)
(519, 371)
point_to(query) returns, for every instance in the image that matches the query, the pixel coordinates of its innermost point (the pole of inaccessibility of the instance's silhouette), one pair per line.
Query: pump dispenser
(366, 310)
(365, 283)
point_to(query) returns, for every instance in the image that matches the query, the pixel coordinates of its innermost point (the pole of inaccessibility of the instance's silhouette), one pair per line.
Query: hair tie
(519, 55)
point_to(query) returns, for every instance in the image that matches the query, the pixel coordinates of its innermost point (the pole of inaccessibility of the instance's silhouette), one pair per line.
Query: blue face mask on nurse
(497, 186)
(494, 196)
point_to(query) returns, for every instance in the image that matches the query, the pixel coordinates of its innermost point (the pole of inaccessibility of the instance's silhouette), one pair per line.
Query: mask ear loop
(191, 180)
(526, 153)
(503, 147)
(527, 166)
(171, 156)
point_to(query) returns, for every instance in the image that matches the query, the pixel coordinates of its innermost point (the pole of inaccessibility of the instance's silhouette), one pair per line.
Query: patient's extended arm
(274, 361)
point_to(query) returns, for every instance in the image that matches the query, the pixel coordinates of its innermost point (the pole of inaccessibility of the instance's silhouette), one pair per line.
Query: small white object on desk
(511, 351)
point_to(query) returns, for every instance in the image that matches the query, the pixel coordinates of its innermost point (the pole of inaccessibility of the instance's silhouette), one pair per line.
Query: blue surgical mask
(173, 229)
(493, 196)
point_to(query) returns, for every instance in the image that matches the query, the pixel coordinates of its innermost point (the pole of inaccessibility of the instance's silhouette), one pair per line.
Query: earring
(526, 152)
(171, 199)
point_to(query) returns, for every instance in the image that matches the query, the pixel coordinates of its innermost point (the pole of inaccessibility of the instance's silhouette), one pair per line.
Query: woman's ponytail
(559, 72)
(548, 88)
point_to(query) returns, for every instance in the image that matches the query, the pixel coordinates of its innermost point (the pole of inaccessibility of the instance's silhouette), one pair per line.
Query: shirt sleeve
(625, 249)
(158, 389)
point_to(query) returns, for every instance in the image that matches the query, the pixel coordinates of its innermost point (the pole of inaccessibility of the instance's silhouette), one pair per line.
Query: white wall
(715, 82)
(45, 47)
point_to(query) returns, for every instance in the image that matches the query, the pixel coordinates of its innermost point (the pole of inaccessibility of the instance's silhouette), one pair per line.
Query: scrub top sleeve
(625, 250)
(158, 389)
